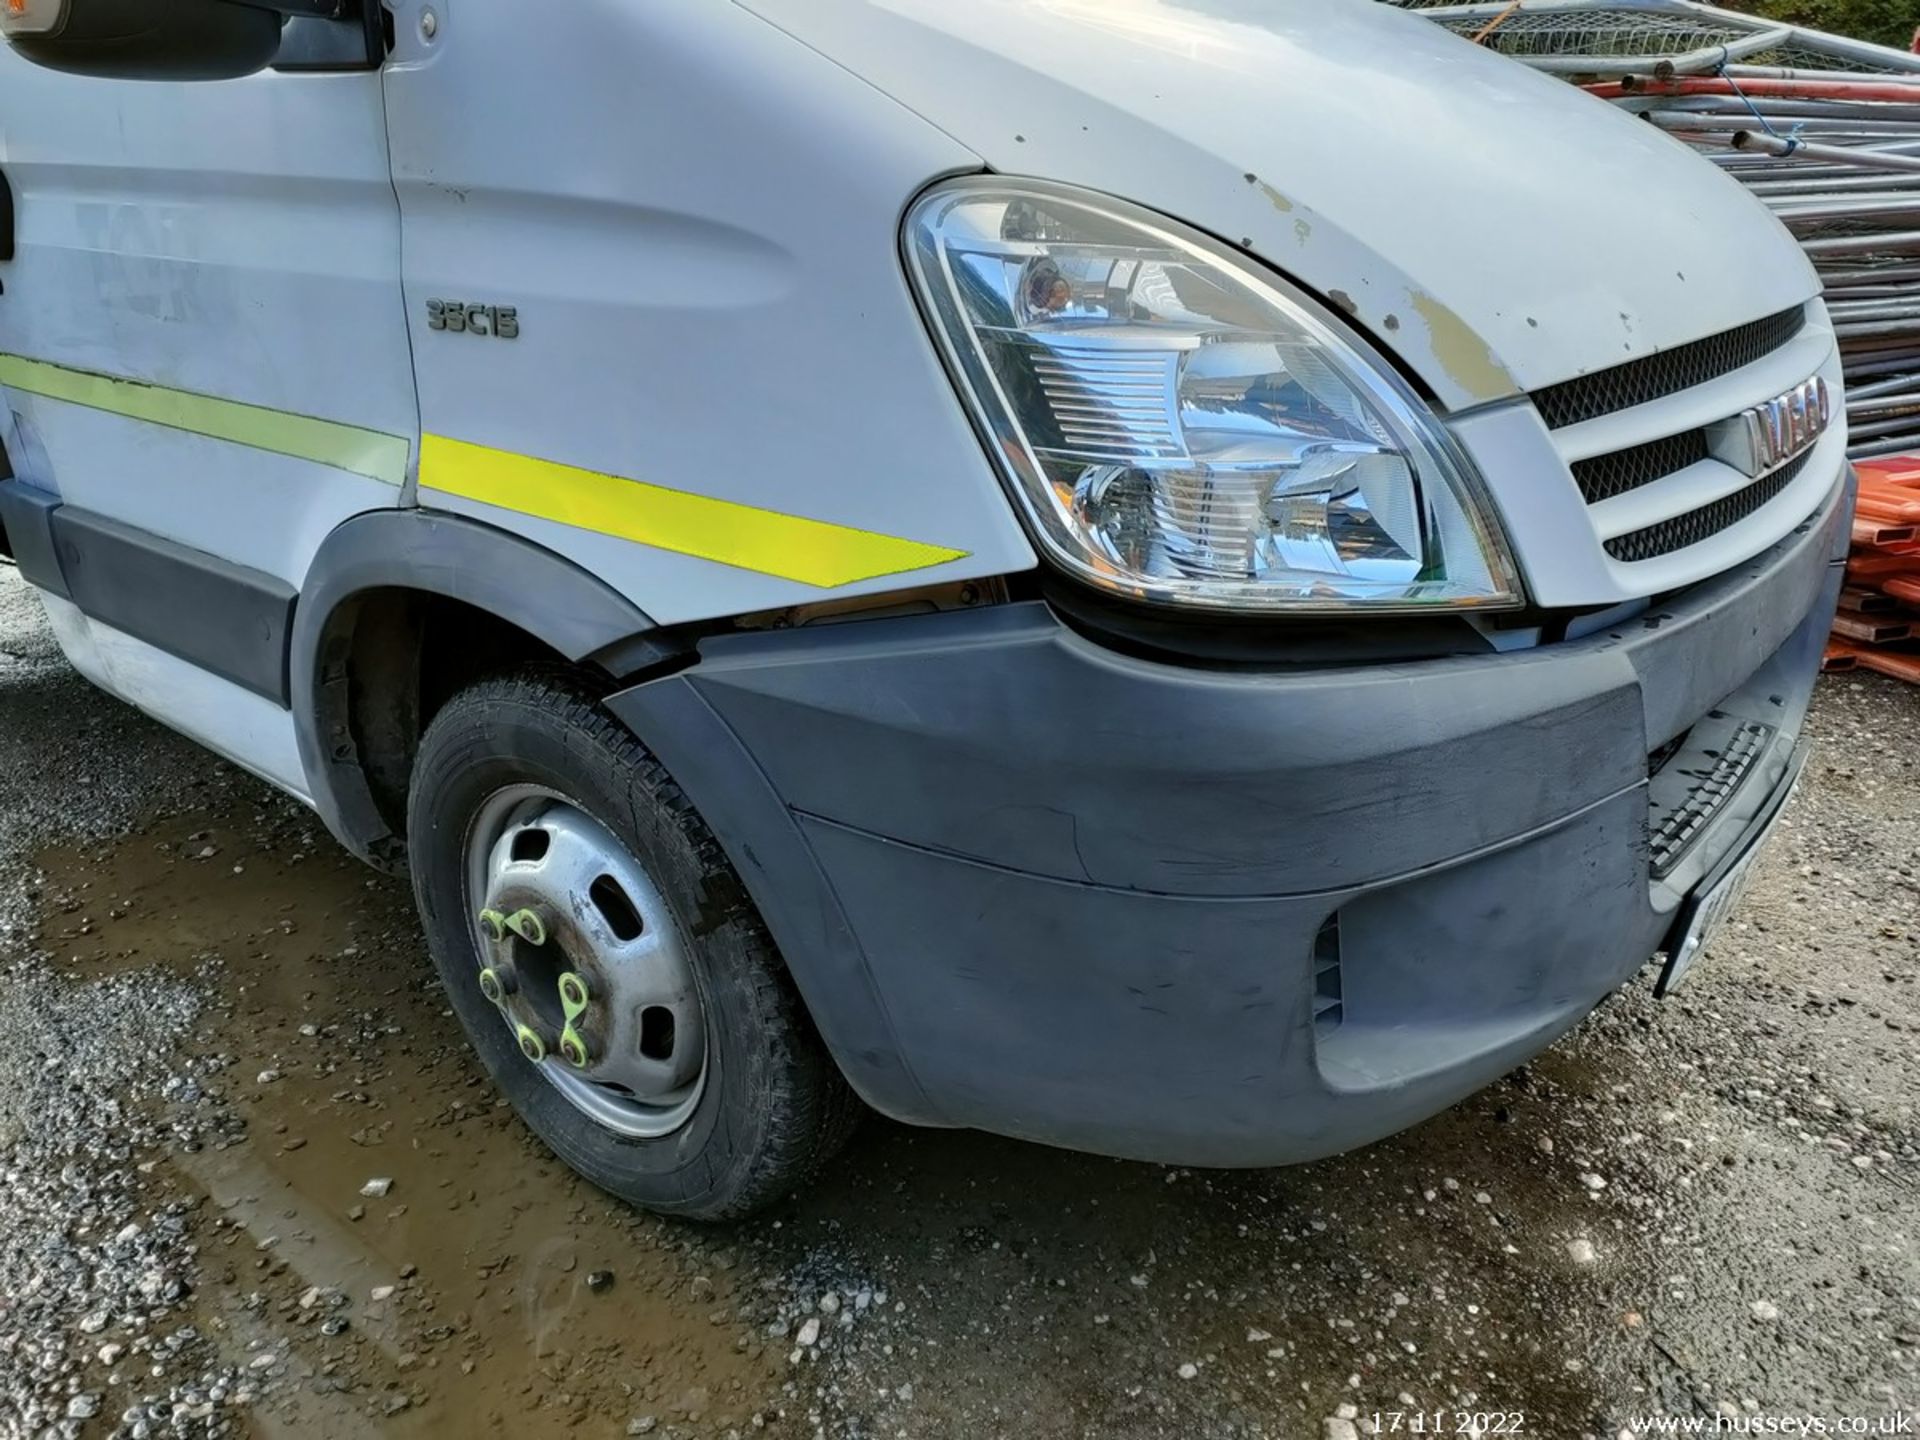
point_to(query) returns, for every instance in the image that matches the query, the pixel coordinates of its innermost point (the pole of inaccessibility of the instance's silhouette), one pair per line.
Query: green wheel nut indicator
(495, 924)
(531, 1045)
(491, 987)
(528, 926)
(574, 1000)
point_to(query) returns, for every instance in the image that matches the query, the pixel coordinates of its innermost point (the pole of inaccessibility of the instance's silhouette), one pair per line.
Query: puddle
(1071, 1291)
(513, 1294)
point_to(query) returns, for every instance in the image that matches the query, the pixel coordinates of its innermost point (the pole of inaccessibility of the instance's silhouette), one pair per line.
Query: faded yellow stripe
(325, 442)
(765, 541)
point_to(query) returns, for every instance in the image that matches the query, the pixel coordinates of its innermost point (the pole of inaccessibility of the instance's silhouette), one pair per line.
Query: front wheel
(606, 961)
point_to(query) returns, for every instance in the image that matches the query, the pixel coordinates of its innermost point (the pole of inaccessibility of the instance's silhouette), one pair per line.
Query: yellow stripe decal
(326, 442)
(766, 541)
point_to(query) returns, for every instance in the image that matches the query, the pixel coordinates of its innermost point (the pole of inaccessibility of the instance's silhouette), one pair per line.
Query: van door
(203, 355)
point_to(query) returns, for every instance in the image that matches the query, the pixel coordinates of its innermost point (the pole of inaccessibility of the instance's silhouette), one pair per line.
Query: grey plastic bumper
(1032, 885)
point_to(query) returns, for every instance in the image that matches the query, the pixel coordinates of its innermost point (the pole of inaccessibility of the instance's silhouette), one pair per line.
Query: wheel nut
(574, 996)
(495, 924)
(574, 1049)
(528, 926)
(493, 987)
(531, 1045)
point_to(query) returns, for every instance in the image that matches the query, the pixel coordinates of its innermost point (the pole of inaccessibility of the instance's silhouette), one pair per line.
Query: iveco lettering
(1155, 576)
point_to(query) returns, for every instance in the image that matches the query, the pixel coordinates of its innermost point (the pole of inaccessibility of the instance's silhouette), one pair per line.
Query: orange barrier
(1882, 507)
(1901, 666)
(1874, 568)
(1904, 587)
(1867, 602)
(1877, 533)
(1881, 605)
(1882, 631)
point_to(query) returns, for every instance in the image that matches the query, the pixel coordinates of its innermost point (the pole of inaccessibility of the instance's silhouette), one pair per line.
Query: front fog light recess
(1185, 429)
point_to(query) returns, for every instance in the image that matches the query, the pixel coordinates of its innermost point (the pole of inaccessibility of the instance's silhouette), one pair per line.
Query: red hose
(1758, 89)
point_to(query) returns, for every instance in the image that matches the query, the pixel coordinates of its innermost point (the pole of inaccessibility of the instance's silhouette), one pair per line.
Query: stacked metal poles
(1825, 130)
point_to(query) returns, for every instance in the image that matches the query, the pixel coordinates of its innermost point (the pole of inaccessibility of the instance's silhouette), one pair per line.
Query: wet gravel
(1703, 1207)
(94, 1271)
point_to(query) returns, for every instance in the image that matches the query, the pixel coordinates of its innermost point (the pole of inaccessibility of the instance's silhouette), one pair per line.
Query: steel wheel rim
(643, 1028)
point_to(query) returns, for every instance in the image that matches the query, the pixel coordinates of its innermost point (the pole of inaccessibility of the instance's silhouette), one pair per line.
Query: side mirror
(153, 39)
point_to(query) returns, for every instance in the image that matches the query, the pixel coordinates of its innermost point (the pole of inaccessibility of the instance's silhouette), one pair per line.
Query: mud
(340, 1065)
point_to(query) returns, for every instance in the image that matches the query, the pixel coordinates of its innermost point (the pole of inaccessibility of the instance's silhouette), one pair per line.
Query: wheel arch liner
(493, 570)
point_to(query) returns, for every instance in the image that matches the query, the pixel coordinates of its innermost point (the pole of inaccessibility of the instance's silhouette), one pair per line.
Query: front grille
(1709, 520)
(1639, 382)
(1605, 476)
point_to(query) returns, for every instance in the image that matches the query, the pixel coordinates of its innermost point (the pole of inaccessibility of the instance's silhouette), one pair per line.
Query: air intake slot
(1640, 382)
(1329, 998)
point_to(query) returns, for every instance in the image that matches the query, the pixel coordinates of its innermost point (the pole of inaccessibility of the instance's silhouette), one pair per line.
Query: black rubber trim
(228, 619)
(6, 219)
(26, 514)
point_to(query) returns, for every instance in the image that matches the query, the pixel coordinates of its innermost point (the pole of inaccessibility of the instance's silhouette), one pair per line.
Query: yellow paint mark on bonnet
(1468, 360)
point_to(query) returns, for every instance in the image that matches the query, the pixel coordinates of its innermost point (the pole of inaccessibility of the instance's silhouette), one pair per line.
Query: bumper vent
(1640, 382)
(1329, 993)
(1675, 829)
(1709, 520)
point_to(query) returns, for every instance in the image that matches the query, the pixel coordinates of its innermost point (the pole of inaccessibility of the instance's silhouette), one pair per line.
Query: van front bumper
(1029, 884)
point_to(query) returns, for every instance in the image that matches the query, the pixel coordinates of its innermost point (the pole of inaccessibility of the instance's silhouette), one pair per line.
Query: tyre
(606, 961)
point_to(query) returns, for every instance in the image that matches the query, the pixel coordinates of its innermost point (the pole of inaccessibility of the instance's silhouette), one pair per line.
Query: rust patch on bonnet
(1466, 358)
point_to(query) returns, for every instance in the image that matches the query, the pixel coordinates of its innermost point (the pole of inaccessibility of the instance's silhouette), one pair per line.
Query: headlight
(1184, 428)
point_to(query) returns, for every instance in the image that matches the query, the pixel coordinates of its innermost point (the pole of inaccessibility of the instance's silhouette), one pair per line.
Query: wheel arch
(391, 594)
(380, 573)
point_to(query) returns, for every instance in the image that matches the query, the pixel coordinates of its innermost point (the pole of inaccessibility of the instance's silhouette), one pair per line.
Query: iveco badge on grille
(1768, 436)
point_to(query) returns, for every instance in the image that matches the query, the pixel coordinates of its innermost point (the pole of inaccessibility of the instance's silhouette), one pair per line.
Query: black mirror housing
(157, 40)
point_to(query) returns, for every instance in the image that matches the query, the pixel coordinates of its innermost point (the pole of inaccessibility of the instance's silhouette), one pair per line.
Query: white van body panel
(215, 242)
(698, 221)
(236, 240)
(254, 733)
(1463, 209)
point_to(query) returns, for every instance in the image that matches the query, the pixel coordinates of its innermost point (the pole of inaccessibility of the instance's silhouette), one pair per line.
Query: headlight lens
(1185, 429)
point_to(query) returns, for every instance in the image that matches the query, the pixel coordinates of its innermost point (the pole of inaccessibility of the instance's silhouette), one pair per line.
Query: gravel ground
(254, 1185)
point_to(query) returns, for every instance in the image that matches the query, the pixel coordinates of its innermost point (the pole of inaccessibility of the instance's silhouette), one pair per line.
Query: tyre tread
(811, 1109)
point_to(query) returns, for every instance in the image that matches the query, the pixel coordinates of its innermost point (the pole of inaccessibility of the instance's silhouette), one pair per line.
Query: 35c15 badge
(499, 322)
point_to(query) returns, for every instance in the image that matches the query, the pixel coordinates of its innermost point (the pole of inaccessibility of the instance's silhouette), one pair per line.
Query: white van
(1191, 579)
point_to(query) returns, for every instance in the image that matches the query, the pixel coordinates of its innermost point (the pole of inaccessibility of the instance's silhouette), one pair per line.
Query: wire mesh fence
(1651, 31)
(1824, 130)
